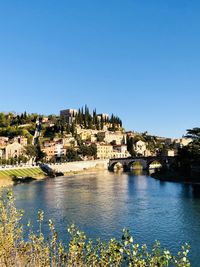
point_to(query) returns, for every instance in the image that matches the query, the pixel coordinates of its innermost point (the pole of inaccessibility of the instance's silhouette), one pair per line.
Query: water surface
(101, 204)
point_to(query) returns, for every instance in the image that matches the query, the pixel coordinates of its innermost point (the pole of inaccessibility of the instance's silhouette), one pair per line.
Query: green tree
(72, 155)
(30, 151)
(40, 155)
(190, 154)
(130, 146)
(85, 150)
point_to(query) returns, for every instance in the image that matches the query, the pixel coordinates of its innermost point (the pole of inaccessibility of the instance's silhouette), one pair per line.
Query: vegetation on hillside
(38, 251)
(12, 125)
(153, 144)
(94, 121)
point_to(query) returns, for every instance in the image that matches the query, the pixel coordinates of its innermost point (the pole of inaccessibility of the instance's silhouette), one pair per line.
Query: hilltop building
(68, 115)
(104, 116)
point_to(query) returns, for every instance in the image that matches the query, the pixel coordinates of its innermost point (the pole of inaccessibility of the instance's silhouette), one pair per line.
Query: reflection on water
(137, 172)
(102, 204)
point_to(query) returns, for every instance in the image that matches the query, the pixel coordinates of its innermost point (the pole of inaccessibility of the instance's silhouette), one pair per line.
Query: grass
(32, 172)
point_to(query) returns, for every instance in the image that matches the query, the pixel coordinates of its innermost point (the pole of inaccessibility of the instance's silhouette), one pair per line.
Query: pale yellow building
(104, 151)
(107, 151)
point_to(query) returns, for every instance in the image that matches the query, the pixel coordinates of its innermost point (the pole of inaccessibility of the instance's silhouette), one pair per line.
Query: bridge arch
(137, 164)
(154, 164)
(116, 166)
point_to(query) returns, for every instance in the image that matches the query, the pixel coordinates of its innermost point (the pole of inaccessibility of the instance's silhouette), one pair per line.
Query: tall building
(68, 115)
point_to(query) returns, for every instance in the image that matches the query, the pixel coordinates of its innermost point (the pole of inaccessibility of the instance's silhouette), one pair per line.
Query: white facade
(140, 148)
(59, 150)
(120, 151)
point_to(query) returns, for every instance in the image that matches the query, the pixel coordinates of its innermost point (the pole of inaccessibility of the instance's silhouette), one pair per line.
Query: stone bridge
(145, 162)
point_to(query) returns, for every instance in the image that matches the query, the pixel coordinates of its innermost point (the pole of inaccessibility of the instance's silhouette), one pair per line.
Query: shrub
(39, 251)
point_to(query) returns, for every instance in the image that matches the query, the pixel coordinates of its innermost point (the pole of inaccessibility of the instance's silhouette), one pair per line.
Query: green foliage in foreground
(38, 251)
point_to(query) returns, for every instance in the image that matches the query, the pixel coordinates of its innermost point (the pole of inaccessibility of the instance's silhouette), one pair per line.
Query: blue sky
(139, 59)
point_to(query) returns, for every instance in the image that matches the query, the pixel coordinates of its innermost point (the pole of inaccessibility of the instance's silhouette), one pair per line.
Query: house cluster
(12, 148)
(174, 143)
(108, 144)
(58, 146)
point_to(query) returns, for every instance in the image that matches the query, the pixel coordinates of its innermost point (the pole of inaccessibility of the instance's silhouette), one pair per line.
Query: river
(101, 204)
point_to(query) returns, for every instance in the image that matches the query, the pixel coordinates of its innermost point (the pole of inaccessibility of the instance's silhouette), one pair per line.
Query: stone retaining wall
(68, 166)
(80, 166)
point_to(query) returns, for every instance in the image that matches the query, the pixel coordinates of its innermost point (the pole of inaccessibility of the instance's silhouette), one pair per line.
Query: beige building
(3, 141)
(118, 137)
(87, 134)
(21, 140)
(13, 150)
(183, 141)
(45, 119)
(69, 141)
(54, 148)
(49, 151)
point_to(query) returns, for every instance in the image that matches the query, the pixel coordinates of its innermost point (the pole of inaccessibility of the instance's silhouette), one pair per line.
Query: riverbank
(176, 177)
(12, 176)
